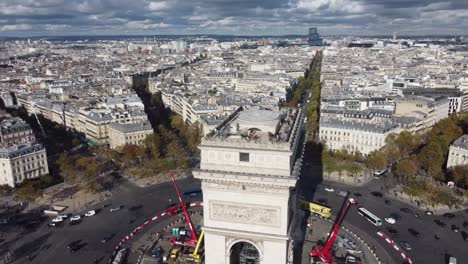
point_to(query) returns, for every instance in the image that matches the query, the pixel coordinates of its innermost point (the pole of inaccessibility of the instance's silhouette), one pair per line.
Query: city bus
(370, 216)
(315, 208)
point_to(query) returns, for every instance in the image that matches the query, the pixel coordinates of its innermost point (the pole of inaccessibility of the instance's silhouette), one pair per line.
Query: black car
(377, 194)
(392, 231)
(406, 210)
(464, 235)
(413, 232)
(455, 228)
(73, 243)
(388, 202)
(449, 215)
(75, 248)
(357, 194)
(440, 223)
(465, 224)
(395, 216)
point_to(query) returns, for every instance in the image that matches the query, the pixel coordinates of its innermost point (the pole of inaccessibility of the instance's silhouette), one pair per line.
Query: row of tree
(423, 154)
(430, 194)
(313, 109)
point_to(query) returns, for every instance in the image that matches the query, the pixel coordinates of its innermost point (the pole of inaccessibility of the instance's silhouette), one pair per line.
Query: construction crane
(323, 254)
(196, 257)
(193, 240)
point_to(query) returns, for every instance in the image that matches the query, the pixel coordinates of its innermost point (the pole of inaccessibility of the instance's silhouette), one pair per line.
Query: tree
(5, 189)
(406, 143)
(28, 192)
(153, 145)
(460, 175)
(130, 152)
(178, 123)
(431, 159)
(406, 169)
(376, 161)
(66, 166)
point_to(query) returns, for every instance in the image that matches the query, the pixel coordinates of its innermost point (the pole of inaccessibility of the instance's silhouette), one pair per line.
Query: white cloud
(346, 6)
(15, 27)
(55, 27)
(157, 6)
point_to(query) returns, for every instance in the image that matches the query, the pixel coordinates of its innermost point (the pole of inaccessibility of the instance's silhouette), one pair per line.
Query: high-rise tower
(314, 37)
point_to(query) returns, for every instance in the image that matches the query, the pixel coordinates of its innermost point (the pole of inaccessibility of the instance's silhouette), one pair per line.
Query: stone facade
(247, 187)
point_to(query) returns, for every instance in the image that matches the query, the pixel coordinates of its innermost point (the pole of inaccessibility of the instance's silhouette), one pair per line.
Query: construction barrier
(147, 222)
(395, 246)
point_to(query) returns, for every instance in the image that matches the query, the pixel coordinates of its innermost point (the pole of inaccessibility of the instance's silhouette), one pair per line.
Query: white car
(329, 189)
(390, 220)
(63, 216)
(90, 213)
(75, 218)
(57, 219)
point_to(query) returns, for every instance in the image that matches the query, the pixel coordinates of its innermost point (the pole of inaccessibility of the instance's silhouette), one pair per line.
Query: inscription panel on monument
(245, 213)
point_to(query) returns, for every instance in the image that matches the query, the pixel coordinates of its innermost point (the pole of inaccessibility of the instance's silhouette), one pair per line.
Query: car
(439, 223)
(115, 208)
(428, 212)
(392, 231)
(107, 238)
(57, 220)
(377, 194)
(73, 243)
(342, 193)
(465, 224)
(413, 232)
(379, 173)
(464, 235)
(395, 216)
(455, 228)
(72, 223)
(405, 245)
(157, 252)
(90, 213)
(357, 194)
(63, 216)
(390, 220)
(54, 224)
(406, 210)
(388, 202)
(449, 215)
(329, 189)
(75, 218)
(75, 248)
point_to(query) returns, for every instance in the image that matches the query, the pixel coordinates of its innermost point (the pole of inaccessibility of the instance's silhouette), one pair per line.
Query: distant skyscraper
(394, 36)
(314, 37)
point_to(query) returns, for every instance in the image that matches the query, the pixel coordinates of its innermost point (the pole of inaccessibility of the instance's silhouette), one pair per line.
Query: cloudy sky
(239, 17)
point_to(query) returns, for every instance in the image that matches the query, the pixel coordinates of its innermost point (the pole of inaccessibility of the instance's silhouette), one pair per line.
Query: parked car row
(76, 219)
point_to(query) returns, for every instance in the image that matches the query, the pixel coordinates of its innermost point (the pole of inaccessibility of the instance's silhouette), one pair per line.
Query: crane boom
(193, 235)
(324, 253)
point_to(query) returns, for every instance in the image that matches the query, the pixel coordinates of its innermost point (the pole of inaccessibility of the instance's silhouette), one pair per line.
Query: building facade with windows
(15, 131)
(131, 133)
(21, 162)
(458, 152)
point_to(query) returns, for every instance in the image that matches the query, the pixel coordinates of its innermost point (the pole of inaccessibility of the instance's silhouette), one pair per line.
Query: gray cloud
(242, 17)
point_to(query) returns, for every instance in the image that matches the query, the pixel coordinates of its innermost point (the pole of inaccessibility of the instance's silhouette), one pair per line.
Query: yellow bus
(317, 209)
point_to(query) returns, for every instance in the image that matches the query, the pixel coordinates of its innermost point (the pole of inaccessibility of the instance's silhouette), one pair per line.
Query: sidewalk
(76, 201)
(158, 178)
(397, 194)
(357, 180)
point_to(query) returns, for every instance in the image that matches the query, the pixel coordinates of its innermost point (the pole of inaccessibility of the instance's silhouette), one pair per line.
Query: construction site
(179, 238)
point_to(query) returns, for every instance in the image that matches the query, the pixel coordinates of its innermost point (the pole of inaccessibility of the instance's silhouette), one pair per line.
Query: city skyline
(293, 17)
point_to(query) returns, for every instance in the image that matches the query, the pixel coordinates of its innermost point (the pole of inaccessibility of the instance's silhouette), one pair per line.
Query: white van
(90, 213)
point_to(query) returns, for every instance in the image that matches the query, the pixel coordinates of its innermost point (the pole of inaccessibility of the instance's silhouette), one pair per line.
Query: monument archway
(243, 252)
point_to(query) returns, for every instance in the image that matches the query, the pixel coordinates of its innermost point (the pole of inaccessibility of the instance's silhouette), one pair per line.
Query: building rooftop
(20, 150)
(461, 142)
(131, 127)
(260, 126)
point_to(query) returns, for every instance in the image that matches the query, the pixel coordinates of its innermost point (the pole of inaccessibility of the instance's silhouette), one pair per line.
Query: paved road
(49, 245)
(426, 249)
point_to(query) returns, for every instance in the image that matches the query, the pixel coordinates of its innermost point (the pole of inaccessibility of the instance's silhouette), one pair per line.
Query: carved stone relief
(245, 213)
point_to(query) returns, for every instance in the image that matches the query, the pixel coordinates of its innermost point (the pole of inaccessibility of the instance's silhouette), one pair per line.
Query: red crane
(192, 241)
(323, 254)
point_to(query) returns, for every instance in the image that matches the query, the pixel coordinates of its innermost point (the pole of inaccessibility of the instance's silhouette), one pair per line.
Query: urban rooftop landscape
(233, 132)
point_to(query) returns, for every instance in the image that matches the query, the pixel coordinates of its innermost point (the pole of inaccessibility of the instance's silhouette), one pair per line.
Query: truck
(452, 260)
